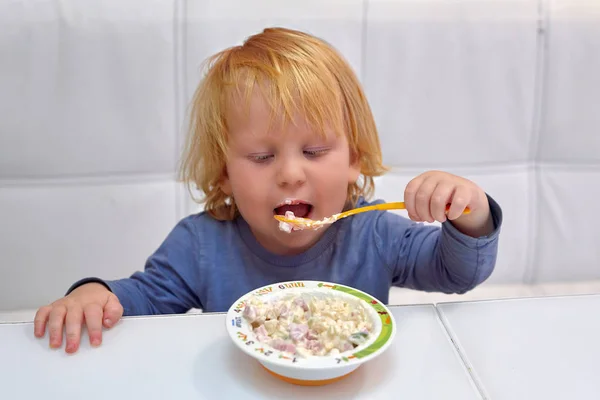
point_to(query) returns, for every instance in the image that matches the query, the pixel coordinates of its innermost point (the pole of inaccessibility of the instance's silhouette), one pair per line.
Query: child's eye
(260, 158)
(315, 152)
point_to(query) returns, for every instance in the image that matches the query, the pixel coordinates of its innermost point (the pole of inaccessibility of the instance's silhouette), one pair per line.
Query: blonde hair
(302, 73)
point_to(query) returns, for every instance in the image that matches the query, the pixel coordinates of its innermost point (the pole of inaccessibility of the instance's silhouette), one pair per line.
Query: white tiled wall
(571, 123)
(568, 241)
(452, 83)
(54, 233)
(94, 96)
(86, 88)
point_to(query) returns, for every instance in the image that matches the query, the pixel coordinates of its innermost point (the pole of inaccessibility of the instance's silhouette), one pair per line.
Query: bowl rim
(343, 361)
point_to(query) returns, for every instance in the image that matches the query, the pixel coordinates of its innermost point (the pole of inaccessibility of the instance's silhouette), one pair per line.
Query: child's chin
(299, 242)
(303, 237)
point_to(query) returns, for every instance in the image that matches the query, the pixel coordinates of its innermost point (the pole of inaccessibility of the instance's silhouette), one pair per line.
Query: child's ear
(225, 184)
(226, 187)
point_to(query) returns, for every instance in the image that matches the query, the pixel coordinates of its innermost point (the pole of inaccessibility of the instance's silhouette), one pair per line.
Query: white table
(541, 348)
(190, 357)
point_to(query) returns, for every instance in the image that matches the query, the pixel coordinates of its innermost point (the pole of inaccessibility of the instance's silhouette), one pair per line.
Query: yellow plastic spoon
(305, 223)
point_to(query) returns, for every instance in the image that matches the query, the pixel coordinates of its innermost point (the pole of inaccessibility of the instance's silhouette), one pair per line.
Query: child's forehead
(244, 106)
(254, 112)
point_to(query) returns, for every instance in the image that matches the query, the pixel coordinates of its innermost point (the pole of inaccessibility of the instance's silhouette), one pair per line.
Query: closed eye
(315, 152)
(260, 158)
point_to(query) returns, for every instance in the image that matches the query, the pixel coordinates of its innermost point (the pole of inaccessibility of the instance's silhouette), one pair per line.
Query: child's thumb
(113, 311)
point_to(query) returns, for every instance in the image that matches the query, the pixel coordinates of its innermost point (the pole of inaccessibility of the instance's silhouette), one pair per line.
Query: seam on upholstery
(178, 90)
(533, 248)
(363, 41)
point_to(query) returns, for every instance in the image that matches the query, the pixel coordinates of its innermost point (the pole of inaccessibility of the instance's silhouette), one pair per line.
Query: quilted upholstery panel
(567, 243)
(568, 151)
(452, 83)
(86, 88)
(93, 99)
(571, 124)
(55, 232)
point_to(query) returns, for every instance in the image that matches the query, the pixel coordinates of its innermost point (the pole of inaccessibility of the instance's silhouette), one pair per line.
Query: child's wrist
(478, 222)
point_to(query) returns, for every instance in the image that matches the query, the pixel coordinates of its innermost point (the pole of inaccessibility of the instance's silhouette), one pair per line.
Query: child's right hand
(91, 304)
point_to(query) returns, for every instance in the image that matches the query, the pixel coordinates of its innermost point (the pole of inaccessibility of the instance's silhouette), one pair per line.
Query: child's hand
(427, 195)
(91, 304)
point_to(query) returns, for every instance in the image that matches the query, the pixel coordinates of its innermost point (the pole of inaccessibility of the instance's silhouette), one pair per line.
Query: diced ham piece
(261, 333)
(314, 345)
(281, 345)
(301, 303)
(283, 311)
(346, 346)
(298, 331)
(250, 313)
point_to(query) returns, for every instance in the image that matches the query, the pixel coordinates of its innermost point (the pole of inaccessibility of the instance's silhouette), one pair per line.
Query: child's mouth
(300, 209)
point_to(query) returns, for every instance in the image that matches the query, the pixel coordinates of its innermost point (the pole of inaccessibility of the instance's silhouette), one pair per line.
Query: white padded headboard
(93, 99)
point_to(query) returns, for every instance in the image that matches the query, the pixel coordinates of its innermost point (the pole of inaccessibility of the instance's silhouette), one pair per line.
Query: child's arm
(162, 288)
(453, 259)
(164, 285)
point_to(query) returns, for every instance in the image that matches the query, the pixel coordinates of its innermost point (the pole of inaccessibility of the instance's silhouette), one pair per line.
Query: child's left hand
(427, 195)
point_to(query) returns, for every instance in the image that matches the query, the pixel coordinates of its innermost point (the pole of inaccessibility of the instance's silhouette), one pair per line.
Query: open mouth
(300, 208)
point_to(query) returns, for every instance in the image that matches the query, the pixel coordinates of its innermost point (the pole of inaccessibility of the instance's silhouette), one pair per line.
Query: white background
(94, 96)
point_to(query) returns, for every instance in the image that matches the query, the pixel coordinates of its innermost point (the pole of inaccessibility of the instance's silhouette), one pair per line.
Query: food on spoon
(286, 226)
(306, 326)
(295, 210)
(297, 223)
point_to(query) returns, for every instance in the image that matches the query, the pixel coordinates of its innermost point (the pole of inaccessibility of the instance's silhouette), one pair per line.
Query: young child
(281, 124)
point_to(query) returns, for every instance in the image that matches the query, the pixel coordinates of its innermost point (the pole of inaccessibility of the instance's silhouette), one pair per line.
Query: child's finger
(93, 320)
(414, 218)
(410, 193)
(440, 197)
(423, 199)
(73, 322)
(113, 311)
(40, 320)
(55, 325)
(460, 200)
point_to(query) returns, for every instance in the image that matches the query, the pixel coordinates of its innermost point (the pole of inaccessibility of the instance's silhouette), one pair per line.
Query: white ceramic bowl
(316, 370)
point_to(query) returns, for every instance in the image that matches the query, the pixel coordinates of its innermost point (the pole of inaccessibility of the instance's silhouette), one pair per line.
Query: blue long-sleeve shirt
(208, 264)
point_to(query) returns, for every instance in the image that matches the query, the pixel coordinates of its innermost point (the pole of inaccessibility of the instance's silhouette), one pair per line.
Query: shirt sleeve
(434, 259)
(163, 287)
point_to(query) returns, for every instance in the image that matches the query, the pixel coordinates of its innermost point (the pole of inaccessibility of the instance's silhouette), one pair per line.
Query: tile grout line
(535, 145)
(179, 26)
(363, 44)
(176, 92)
(120, 177)
(87, 180)
(463, 357)
(477, 166)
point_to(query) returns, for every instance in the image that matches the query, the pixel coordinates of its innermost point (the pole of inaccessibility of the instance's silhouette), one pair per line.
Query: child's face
(266, 168)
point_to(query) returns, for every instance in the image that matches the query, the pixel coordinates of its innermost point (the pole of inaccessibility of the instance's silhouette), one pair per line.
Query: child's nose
(290, 172)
